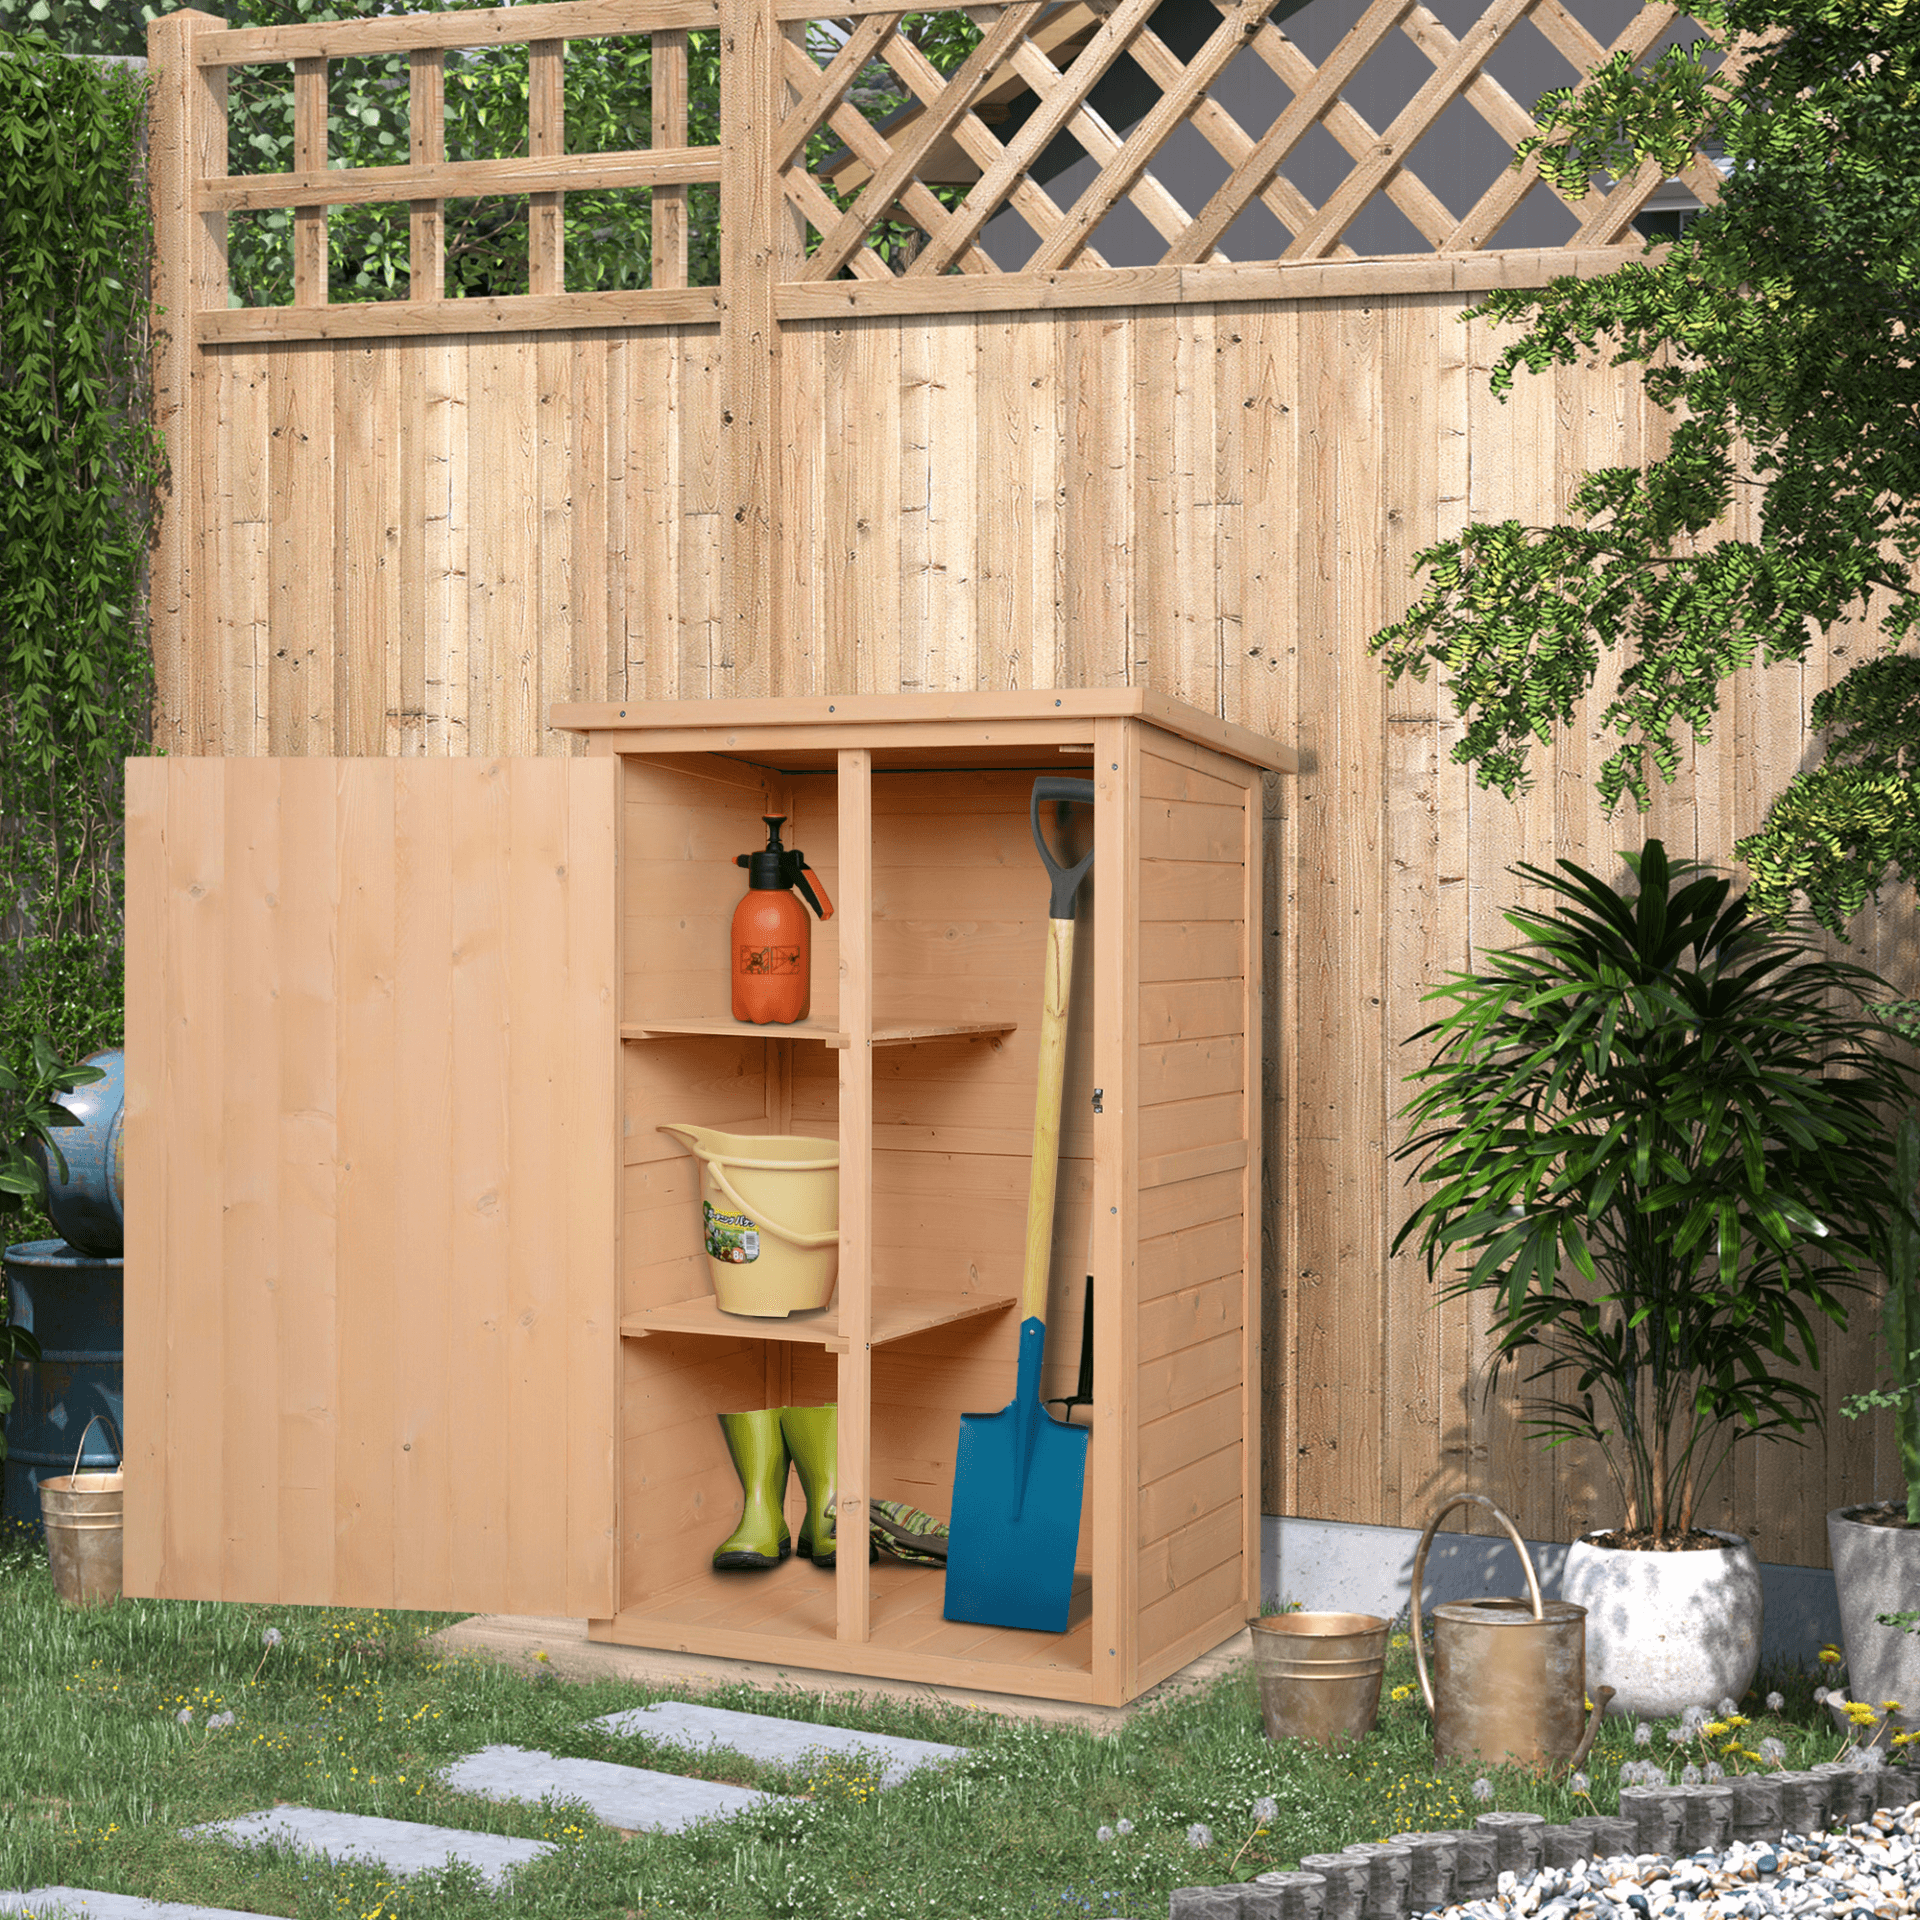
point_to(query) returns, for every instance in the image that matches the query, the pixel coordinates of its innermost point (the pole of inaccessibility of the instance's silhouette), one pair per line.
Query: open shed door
(371, 1137)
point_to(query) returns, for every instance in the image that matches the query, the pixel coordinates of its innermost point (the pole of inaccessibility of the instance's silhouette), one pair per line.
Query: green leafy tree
(1783, 318)
(1655, 1135)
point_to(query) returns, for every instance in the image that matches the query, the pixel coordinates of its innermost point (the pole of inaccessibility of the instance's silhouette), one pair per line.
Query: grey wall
(1330, 1566)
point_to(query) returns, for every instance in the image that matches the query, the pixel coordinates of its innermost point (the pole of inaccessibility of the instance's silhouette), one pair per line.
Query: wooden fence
(413, 527)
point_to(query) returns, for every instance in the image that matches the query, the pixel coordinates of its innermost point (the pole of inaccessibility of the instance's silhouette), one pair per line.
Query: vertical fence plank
(546, 135)
(426, 147)
(187, 140)
(309, 156)
(752, 219)
(670, 130)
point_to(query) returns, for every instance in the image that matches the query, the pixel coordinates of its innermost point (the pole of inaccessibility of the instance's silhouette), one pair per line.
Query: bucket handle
(808, 1242)
(119, 1447)
(1420, 1567)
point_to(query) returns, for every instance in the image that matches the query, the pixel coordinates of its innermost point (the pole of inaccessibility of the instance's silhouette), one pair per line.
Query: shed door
(371, 1135)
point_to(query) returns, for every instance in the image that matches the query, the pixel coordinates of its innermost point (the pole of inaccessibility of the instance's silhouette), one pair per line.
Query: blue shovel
(1018, 1473)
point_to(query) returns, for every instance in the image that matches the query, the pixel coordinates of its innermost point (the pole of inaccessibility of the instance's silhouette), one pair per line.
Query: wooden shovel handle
(1046, 1120)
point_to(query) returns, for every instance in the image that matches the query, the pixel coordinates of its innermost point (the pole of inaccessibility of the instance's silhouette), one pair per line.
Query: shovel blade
(1008, 1568)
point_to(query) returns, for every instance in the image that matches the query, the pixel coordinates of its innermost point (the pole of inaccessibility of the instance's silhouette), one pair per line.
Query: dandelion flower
(1829, 1656)
(185, 1716)
(1123, 1826)
(1399, 1643)
(1889, 1706)
(221, 1720)
(1676, 1736)
(1690, 1775)
(1775, 1701)
(1266, 1809)
(1726, 1707)
(1579, 1783)
(1715, 1772)
(1483, 1789)
(1715, 1728)
(271, 1638)
(1642, 1735)
(1820, 1696)
(1103, 1833)
(1402, 1693)
(1199, 1836)
(1773, 1752)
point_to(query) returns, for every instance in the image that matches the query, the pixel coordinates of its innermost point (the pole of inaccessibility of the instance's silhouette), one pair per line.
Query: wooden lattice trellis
(794, 246)
(1015, 41)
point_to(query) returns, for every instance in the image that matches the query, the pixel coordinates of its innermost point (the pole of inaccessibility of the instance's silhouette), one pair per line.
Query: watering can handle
(1420, 1567)
(118, 1445)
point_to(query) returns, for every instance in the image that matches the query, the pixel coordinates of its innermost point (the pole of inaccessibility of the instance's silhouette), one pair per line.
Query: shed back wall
(416, 546)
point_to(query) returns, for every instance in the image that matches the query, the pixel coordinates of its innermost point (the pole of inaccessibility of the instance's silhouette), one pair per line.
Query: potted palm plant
(1656, 1133)
(1876, 1546)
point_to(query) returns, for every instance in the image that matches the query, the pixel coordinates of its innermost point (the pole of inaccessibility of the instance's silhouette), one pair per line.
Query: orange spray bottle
(772, 936)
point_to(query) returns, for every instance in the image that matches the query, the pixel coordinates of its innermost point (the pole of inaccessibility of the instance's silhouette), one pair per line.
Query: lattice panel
(909, 194)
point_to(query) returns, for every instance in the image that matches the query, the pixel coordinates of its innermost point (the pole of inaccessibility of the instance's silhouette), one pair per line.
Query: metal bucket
(84, 1515)
(72, 1302)
(1319, 1673)
(1510, 1679)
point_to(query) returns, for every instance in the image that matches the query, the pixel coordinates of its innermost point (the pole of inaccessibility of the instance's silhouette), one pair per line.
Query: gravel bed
(1837, 1841)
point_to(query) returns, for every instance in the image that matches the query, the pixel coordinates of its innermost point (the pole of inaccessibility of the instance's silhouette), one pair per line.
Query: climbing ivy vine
(79, 464)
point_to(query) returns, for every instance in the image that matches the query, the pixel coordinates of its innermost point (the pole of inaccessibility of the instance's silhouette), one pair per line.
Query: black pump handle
(1066, 880)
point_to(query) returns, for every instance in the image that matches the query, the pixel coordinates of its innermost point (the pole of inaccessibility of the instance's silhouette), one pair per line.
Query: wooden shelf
(897, 1312)
(785, 1616)
(894, 1034)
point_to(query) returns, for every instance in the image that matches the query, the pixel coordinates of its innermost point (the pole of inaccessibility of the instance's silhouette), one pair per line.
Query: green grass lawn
(99, 1772)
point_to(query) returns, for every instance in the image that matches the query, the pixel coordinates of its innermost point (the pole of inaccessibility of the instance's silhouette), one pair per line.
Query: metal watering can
(1510, 1674)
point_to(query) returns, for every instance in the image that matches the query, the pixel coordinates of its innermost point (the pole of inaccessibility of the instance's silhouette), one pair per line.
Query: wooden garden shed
(415, 528)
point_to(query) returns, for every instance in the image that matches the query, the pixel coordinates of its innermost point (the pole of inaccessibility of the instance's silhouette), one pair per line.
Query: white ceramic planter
(1668, 1631)
(1877, 1570)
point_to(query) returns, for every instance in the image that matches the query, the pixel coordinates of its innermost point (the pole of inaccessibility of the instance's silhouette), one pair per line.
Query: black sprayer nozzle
(776, 867)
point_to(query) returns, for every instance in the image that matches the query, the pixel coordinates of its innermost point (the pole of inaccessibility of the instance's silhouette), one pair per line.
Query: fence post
(751, 202)
(186, 141)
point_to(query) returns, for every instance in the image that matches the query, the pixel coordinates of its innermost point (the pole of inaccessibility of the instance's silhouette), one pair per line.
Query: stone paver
(401, 1846)
(72, 1903)
(775, 1742)
(635, 1798)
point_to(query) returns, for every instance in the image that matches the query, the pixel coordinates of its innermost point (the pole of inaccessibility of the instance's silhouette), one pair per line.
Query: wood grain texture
(364, 973)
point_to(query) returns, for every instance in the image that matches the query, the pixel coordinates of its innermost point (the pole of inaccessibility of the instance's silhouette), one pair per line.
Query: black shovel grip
(1066, 880)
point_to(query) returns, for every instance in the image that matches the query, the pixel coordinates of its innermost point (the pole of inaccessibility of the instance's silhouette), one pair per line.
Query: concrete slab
(780, 1743)
(401, 1846)
(540, 1643)
(75, 1903)
(635, 1799)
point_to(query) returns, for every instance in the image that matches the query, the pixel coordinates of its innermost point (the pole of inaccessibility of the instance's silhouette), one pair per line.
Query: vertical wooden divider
(855, 912)
(1254, 1111)
(310, 156)
(546, 136)
(1115, 1515)
(187, 142)
(426, 147)
(751, 200)
(670, 130)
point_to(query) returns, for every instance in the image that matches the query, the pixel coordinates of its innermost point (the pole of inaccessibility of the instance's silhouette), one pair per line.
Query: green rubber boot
(760, 1459)
(812, 1435)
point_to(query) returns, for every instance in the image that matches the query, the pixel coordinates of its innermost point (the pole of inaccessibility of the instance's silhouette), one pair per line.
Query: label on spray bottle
(767, 960)
(731, 1237)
